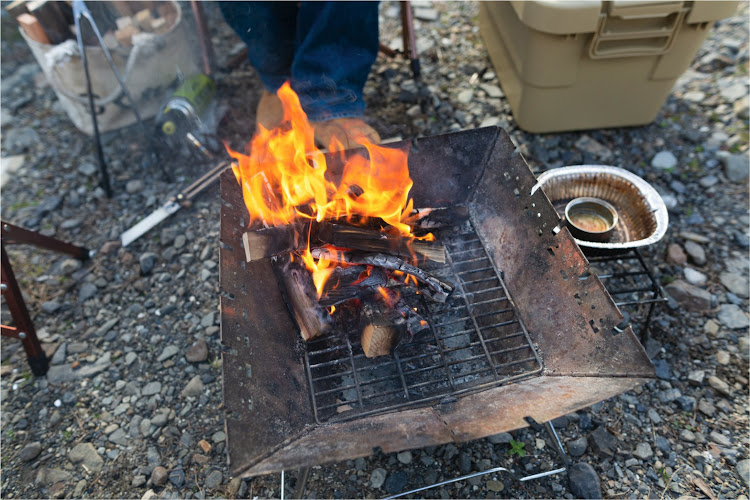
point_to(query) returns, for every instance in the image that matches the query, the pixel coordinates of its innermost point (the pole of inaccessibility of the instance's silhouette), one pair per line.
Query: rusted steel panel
(501, 409)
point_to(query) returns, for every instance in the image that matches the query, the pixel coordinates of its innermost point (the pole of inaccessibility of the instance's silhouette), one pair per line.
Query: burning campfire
(345, 239)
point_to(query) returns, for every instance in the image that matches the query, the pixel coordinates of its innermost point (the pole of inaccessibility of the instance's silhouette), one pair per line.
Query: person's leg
(336, 45)
(268, 29)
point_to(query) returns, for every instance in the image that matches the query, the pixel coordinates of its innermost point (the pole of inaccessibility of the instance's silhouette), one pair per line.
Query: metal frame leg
(410, 42)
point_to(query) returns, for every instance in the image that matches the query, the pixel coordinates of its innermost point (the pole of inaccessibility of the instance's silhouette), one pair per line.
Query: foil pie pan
(642, 214)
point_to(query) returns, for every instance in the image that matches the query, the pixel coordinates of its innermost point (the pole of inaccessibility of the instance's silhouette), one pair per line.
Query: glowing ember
(285, 178)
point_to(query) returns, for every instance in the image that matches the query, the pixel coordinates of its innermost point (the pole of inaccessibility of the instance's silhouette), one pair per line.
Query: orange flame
(285, 178)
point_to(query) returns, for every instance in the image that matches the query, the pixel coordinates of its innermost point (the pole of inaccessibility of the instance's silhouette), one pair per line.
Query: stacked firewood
(372, 261)
(51, 22)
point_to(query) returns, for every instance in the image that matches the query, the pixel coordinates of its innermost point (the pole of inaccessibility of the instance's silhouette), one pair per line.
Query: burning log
(381, 329)
(277, 240)
(355, 282)
(313, 320)
(436, 288)
(436, 218)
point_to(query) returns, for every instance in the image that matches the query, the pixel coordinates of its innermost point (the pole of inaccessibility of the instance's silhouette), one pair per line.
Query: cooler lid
(559, 17)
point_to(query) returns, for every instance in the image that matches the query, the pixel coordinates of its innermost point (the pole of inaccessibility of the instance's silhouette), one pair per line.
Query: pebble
(426, 14)
(723, 357)
(151, 388)
(695, 252)
(159, 476)
(377, 478)
(603, 442)
(706, 407)
(464, 462)
(404, 457)
(496, 486)
(664, 160)
(502, 438)
(577, 447)
(198, 352)
(737, 167)
(465, 96)
(689, 296)
(213, 480)
(687, 436)
(87, 291)
(85, 454)
(593, 147)
(732, 316)
(396, 482)
(167, 353)
(720, 439)
(134, 186)
(743, 471)
(147, 262)
(584, 481)
(218, 437)
(694, 277)
(735, 282)
(492, 90)
(719, 385)
(30, 451)
(676, 255)
(654, 416)
(177, 477)
(643, 451)
(194, 387)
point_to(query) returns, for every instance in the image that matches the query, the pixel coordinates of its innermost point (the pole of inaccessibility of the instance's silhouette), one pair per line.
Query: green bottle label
(198, 90)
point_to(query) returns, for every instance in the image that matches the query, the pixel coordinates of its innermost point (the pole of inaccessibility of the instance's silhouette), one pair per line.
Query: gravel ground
(132, 404)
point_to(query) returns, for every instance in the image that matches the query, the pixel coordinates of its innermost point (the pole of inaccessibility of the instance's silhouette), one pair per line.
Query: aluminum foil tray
(642, 213)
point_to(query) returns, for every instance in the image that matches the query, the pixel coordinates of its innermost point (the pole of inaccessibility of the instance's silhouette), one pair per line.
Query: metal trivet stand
(628, 279)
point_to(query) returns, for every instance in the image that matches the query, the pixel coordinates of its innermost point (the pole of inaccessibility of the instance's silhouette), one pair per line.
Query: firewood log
(380, 329)
(312, 319)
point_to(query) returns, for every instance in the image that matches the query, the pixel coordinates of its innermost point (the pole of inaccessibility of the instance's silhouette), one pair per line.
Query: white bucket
(148, 69)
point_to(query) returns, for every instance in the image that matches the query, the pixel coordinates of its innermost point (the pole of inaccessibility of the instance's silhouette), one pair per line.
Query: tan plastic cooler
(571, 65)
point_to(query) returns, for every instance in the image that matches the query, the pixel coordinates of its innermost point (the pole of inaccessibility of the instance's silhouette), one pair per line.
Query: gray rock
(668, 395)
(654, 416)
(708, 181)
(643, 451)
(496, 486)
(577, 447)
(168, 352)
(490, 121)
(686, 403)
(735, 282)
(732, 316)
(52, 476)
(198, 352)
(69, 266)
(502, 438)
(664, 160)
(151, 388)
(662, 369)
(87, 168)
(130, 358)
(360, 463)
(663, 444)
(465, 96)
(687, 436)
(138, 481)
(59, 357)
(719, 385)
(583, 481)
(742, 108)
(396, 482)
(193, 388)
(734, 92)
(177, 477)
(71, 223)
(134, 186)
(426, 14)
(706, 407)
(119, 437)
(218, 437)
(696, 377)
(147, 261)
(50, 306)
(85, 454)
(377, 478)
(492, 90)
(694, 277)
(695, 252)
(603, 442)
(77, 347)
(213, 480)
(464, 462)
(720, 439)
(588, 145)
(161, 418)
(723, 357)
(159, 476)
(207, 320)
(743, 471)
(694, 96)
(179, 241)
(106, 327)
(18, 140)
(690, 297)
(30, 451)
(404, 457)
(87, 291)
(676, 255)
(80, 486)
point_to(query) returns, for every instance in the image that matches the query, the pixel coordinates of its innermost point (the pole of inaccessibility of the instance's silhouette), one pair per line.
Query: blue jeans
(325, 50)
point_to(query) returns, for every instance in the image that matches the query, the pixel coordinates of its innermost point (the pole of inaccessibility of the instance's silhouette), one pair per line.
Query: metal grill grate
(630, 282)
(476, 341)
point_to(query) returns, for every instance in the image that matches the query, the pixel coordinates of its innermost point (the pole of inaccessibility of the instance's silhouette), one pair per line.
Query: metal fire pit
(526, 333)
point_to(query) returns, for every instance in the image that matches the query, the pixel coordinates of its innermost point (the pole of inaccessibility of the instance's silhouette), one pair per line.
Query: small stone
(676, 255)
(426, 14)
(662, 369)
(465, 96)
(654, 416)
(694, 96)
(360, 463)
(664, 160)
(204, 445)
(663, 444)
(134, 186)
(502, 438)
(30, 451)
(588, 145)
(87, 291)
(201, 459)
(50, 306)
(696, 377)
(159, 476)
(161, 418)
(737, 283)
(643, 451)
(464, 462)
(496, 486)
(720, 439)
(492, 90)
(583, 481)
(85, 454)
(723, 358)
(396, 482)
(193, 388)
(690, 297)
(151, 388)
(694, 277)
(69, 266)
(668, 395)
(539, 443)
(687, 403)
(233, 488)
(213, 480)
(198, 352)
(687, 436)
(87, 168)
(147, 261)
(708, 181)
(218, 437)
(167, 353)
(603, 442)
(741, 108)
(138, 481)
(696, 253)
(707, 408)
(743, 471)
(59, 357)
(119, 437)
(577, 447)
(404, 457)
(177, 477)
(80, 486)
(732, 316)
(377, 478)
(490, 121)
(130, 358)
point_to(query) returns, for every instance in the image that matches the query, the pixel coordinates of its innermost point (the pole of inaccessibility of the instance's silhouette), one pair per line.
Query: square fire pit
(525, 334)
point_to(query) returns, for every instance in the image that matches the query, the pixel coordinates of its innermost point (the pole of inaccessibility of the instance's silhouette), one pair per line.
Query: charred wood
(313, 320)
(277, 240)
(350, 283)
(436, 218)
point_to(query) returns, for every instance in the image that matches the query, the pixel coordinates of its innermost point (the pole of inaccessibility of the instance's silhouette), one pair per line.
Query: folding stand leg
(410, 42)
(24, 327)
